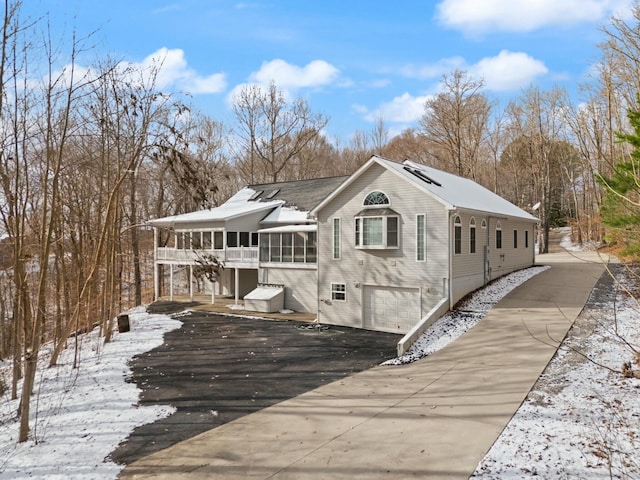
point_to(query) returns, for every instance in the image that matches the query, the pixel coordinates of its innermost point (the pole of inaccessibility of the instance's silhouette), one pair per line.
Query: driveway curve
(435, 418)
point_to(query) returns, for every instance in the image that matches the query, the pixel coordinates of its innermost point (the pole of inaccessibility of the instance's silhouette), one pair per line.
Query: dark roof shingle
(301, 194)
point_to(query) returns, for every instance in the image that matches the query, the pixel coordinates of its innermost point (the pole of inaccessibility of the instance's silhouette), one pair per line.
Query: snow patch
(78, 416)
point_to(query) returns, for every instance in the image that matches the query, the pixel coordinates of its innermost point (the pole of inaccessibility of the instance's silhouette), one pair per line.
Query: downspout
(487, 250)
(236, 283)
(452, 211)
(156, 269)
(191, 283)
(171, 282)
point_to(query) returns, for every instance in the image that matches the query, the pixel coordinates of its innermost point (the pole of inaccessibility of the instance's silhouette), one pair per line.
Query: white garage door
(389, 309)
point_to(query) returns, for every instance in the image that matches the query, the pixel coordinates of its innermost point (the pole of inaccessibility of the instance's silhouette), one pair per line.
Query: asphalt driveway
(215, 369)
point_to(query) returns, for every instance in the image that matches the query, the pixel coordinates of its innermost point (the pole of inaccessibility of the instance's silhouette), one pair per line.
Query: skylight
(273, 194)
(256, 195)
(422, 176)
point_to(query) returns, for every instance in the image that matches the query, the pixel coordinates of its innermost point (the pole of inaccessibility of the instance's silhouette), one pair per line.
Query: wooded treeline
(89, 153)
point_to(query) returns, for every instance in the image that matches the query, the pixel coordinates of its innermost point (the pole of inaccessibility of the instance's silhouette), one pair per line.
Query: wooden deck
(226, 305)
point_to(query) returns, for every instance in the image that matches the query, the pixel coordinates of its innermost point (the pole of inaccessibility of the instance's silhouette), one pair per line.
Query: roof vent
(422, 176)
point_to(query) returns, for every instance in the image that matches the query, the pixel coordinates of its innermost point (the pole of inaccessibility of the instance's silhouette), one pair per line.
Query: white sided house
(401, 243)
(389, 248)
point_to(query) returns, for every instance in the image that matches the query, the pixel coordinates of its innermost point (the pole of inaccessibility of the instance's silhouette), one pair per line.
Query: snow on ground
(467, 314)
(581, 418)
(80, 415)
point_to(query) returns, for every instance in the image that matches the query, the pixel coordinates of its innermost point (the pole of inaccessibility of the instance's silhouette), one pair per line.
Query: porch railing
(228, 255)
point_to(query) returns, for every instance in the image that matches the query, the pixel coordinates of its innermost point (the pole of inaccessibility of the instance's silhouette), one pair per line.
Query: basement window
(339, 292)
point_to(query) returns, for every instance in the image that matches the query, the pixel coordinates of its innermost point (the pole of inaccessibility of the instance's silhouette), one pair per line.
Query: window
(272, 194)
(245, 239)
(218, 240)
(298, 247)
(275, 241)
(484, 223)
(515, 239)
(339, 292)
(196, 240)
(232, 239)
(311, 252)
(206, 240)
(264, 247)
(289, 247)
(183, 241)
(526, 239)
(377, 232)
(498, 235)
(472, 235)
(372, 231)
(457, 236)
(421, 241)
(376, 198)
(254, 239)
(336, 238)
(392, 231)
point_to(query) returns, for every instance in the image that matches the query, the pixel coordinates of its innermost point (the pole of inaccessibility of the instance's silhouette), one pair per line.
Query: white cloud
(508, 71)
(288, 78)
(524, 15)
(286, 75)
(402, 109)
(175, 73)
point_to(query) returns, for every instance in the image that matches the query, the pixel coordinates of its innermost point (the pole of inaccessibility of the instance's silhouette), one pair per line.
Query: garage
(391, 309)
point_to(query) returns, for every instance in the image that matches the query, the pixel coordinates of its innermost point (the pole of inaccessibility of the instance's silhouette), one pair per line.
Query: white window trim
(336, 241)
(457, 227)
(422, 250)
(338, 292)
(474, 237)
(384, 245)
(376, 205)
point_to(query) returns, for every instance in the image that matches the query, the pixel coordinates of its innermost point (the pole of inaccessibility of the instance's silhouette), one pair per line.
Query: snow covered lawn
(582, 418)
(80, 415)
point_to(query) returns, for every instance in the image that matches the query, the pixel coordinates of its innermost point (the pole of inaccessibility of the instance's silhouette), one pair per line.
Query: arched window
(484, 223)
(472, 235)
(457, 235)
(376, 198)
(377, 226)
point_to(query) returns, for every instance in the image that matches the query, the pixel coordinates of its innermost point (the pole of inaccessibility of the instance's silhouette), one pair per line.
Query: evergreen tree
(621, 204)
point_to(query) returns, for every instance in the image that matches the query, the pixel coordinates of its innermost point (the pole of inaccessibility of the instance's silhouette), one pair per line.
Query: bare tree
(534, 158)
(455, 124)
(409, 144)
(271, 131)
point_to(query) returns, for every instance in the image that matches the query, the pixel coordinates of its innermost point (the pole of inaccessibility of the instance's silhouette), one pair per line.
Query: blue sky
(353, 60)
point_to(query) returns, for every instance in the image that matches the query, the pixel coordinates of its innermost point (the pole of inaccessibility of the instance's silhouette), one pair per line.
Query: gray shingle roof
(301, 194)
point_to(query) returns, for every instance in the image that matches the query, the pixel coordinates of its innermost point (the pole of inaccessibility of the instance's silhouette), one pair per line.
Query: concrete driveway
(435, 418)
